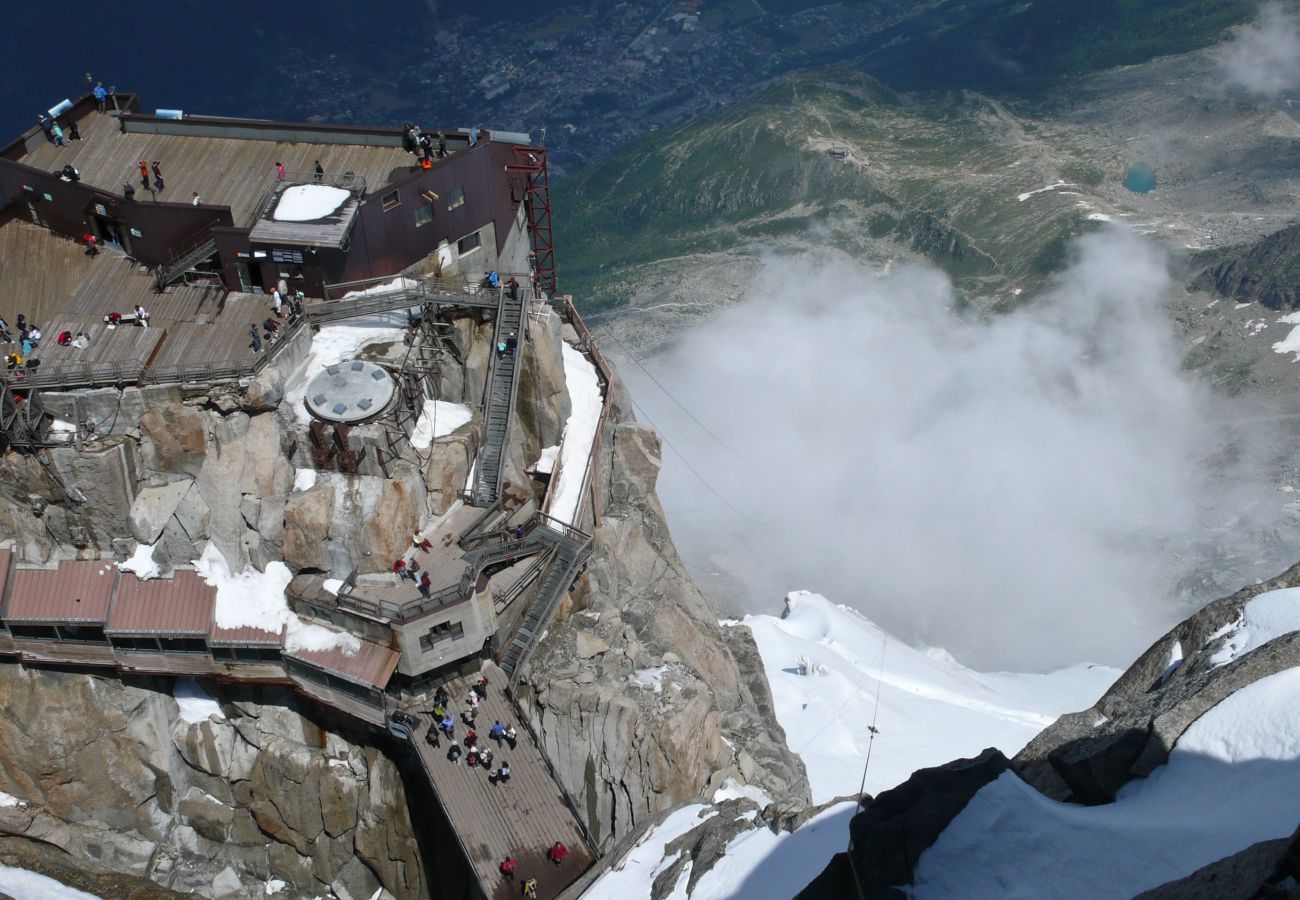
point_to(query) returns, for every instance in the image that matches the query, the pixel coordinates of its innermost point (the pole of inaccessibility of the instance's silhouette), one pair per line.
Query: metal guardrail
(348, 181)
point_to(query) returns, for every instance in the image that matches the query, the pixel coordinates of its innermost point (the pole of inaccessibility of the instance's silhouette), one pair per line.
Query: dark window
(82, 633)
(224, 654)
(130, 643)
(443, 631)
(391, 200)
(40, 632)
(468, 243)
(183, 645)
(423, 215)
(456, 199)
(257, 654)
(286, 256)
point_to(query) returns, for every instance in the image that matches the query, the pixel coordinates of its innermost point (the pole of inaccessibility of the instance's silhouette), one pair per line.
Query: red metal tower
(530, 163)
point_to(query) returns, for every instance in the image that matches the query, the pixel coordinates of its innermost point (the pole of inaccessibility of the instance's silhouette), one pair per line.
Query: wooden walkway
(223, 171)
(521, 818)
(52, 270)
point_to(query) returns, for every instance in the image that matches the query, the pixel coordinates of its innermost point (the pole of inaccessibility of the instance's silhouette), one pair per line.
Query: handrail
(349, 181)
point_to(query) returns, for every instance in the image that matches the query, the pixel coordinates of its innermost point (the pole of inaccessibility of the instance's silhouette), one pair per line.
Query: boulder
(173, 439)
(265, 390)
(543, 402)
(447, 465)
(385, 532)
(154, 507)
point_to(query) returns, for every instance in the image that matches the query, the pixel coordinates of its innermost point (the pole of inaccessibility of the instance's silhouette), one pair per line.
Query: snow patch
(1100, 217)
(335, 343)
(274, 886)
(579, 433)
(141, 563)
(1051, 187)
(651, 678)
(304, 479)
(25, 885)
(309, 202)
(732, 789)
(439, 418)
(631, 876)
(196, 704)
(1229, 783)
(332, 585)
(545, 464)
(1267, 616)
(7, 800)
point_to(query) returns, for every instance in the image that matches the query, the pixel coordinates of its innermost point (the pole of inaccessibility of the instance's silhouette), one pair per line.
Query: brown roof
(6, 569)
(77, 591)
(245, 635)
(178, 605)
(371, 666)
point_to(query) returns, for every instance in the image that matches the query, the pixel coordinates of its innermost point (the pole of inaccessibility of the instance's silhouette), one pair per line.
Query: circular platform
(350, 391)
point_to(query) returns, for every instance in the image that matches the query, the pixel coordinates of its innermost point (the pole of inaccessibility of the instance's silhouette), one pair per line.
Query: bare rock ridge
(221, 807)
(1087, 757)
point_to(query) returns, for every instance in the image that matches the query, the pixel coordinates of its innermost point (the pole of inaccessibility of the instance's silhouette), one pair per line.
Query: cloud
(1264, 58)
(1027, 491)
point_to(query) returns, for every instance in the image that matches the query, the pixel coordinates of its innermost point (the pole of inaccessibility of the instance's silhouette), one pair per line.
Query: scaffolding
(530, 162)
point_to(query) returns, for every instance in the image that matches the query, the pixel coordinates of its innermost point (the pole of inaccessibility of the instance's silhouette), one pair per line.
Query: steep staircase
(569, 551)
(503, 383)
(204, 248)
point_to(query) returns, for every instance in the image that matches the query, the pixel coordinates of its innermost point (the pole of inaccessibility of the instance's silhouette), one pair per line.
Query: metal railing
(348, 181)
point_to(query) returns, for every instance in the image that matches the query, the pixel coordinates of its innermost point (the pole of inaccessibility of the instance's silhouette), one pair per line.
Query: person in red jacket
(508, 866)
(557, 853)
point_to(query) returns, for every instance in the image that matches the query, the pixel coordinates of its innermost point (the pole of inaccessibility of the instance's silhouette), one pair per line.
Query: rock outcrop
(220, 807)
(638, 699)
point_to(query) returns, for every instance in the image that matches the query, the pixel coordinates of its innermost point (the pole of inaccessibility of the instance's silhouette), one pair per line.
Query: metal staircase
(503, 383)
(204, 248)
(569, 551)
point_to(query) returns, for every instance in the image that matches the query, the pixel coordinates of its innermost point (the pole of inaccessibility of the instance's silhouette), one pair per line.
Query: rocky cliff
(268, 798)
(640, 698)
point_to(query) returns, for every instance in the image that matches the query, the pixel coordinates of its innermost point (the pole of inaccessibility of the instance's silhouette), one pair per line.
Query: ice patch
(1051, 187)
(7, 800)
(438, 419)
(304, 479)
(141, 563)
(732, 789)
(651, 678)
(308, 202)
(24, 885)
(332, 585)
(1100, 217)
(545, 464)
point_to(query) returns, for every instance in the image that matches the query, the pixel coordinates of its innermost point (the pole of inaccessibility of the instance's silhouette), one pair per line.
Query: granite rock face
(217, 807)
(638, 698)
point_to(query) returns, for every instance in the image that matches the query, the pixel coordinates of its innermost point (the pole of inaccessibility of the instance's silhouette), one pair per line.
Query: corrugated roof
(6, 568)
(178, 605)
(371, 666)
(245, 635)
(77, 591)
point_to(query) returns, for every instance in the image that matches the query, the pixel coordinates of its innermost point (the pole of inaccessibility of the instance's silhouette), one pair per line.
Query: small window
(457, 199)
(468, 244)
(423, 215)
(391, 200)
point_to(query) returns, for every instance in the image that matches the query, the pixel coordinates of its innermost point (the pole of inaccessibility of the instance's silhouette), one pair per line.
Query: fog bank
(1263, 58)
(1025, 492)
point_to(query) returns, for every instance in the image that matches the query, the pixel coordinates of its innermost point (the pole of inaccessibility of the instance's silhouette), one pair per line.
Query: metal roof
(178, 605)
(371, 666)
(77, 591)
(244, 636)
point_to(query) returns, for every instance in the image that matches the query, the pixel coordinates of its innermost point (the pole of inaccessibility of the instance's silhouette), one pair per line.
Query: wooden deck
(521, 818)
(53, 269)
(223, 171)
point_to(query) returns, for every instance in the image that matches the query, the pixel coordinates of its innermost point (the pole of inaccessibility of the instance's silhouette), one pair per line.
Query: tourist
(48, 127)
(557, 853)
(113, 319)
(440, 696)
(320, 171)
(513, 284)
(157, 171)
(448, 725)
(70, 173)
(13, 361)
(158, 185)
(501, 349)
(58, 135)
(482, 685)
(485, 758)
(91, 244)
(472, 699)
(35, 335)
(471, 757)
(431, 736)
(276, 300)
(469, 716)
(425, 584)
(197, 200)
(508, 866)
(64, 339)
(419, 540)
(128, 192)
(503, 774)
(81, 341)
(512, 343)
(101, 96)
(256, 344)
(497, 732)
(399, 568)
(74, 134)
(144, 173)
(530, 888)
(471, 738)
(272, 329)
(279, 171)
(453, 752)
(511, 736)
(141, 317)
(442, 145)
(26, 347)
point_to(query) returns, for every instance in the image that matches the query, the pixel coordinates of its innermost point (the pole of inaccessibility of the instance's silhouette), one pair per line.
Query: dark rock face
(1267, 271)
(1261, 870)
(889, 836)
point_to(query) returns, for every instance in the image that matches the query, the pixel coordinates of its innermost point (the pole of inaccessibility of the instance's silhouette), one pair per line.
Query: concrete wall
(475, 615)
(113, 411)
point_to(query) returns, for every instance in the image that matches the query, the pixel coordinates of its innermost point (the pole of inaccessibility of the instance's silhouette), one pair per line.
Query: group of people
(29, 338)
(54, 132)
(443, 726)
(423, 145)
(557, 853)
(284, 306)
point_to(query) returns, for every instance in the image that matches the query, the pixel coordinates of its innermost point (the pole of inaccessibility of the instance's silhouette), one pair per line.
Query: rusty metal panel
(179, 605)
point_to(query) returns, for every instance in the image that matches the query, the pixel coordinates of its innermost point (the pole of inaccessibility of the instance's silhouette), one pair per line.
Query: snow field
(1264, 617)
(308, 202)
(24, 885)
(579, 432)
(1229, 783)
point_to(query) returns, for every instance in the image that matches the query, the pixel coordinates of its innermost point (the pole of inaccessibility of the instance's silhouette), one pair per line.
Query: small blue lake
(1140, 179)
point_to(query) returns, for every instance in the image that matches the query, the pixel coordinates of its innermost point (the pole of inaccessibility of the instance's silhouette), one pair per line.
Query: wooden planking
(521, 818)
(224, 171)
(118, 288)
(40, 270)
(190, 343)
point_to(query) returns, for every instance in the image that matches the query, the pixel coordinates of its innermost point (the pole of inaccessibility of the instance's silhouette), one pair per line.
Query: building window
(391, 200)
(457, 199)
(423, 215)
(468, 244)
(443, 631)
